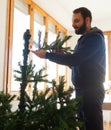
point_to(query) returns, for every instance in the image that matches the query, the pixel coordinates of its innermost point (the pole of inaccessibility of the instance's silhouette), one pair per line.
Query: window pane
(51, 66)
(38, 17)
(21, 23)
(40, 63)
(61, 68)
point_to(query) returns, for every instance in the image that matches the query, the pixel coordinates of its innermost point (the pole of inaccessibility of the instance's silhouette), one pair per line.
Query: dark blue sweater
(88, 60)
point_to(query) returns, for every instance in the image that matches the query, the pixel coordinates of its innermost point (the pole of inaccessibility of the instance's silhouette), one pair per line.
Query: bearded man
(88, 67)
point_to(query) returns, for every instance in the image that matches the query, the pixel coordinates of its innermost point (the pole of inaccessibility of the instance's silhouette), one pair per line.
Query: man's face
(78, 23)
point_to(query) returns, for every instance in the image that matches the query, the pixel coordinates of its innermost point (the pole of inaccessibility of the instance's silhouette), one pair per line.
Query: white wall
(103, 25)
(3, 11)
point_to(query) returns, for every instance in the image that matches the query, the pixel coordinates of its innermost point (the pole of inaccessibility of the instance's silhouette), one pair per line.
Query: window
(28, 15)
(107, 99)
(108, 68)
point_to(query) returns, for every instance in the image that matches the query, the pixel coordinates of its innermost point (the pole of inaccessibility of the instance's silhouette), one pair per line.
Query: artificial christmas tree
(51, 109)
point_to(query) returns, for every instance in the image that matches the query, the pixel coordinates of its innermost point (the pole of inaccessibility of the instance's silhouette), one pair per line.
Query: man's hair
(84, 12)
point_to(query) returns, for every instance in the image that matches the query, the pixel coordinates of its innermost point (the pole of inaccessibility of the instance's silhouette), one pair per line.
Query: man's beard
(81, 30)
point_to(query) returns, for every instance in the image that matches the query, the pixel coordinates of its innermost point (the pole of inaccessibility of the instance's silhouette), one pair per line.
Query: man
(88, 67)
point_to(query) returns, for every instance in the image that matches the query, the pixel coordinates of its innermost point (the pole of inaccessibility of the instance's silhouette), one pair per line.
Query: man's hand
(40, 53)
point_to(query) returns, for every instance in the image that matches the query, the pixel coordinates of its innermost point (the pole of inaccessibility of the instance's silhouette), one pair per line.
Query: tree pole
(23, 85)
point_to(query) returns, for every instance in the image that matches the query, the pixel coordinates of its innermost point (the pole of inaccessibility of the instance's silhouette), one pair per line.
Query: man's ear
(88, 20)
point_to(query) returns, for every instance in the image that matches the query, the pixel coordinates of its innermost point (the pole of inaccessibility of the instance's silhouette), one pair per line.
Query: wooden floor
(107, 126)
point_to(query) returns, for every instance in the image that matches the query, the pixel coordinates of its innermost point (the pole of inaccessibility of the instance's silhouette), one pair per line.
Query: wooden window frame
(8, 49)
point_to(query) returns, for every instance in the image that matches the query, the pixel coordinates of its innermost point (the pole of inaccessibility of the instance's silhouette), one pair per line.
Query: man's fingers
(39, 53)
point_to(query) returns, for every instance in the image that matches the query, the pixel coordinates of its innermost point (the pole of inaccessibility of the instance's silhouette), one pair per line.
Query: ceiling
(61, 10)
